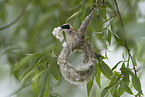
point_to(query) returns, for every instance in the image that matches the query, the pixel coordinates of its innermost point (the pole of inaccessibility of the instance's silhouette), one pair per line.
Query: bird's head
(66, 26)
(69, 32)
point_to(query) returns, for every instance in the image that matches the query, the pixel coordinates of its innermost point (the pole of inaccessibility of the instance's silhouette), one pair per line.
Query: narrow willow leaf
(116, 65)
(102, 12)
(126, 75)
(22, 63)
(37, 76)
(119, 41)
(115, 92)
(106, 70)
(105, 90)
(77, 22)
(117, 74)
(112, 28)
(133, 61)
(25, 79)
(98, 76)
(75, 14)
(112, 81)
(29, 68)
(120, 91)
(123, 56)
(35, 86)
(55, 72)
(47, 86)
(42, 83)
(39, 55)
(125, 87)
(122, 68)
(103, 6)
(89, 86)
(109, 5)
(136, 82)
(108, 36)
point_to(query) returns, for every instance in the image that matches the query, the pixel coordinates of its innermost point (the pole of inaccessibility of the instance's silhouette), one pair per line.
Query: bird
(69, 33)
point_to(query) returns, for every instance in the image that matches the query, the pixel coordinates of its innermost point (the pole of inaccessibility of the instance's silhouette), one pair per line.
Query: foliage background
(32, 34)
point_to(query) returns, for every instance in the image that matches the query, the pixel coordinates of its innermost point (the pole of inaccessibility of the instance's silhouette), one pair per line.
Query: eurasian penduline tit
(69, 33)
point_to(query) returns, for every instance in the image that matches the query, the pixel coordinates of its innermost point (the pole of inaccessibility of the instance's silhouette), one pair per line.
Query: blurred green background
(32, 33)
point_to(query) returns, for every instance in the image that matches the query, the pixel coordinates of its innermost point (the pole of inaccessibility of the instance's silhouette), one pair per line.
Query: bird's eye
(65, 26)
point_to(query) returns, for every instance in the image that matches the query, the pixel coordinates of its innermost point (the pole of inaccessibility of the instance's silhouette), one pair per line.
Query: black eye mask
(67, 26)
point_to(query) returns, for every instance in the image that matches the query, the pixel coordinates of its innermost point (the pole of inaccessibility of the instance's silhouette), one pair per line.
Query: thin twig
(17, 18)
(87, 20)
(111, 17)
(125, 41)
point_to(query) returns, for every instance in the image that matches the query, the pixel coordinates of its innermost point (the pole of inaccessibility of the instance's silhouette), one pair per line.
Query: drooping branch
(17, 18)
(87, 20)
(125, 41)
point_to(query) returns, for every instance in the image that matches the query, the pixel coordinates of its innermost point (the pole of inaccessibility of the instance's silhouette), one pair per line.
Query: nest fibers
(82, 73)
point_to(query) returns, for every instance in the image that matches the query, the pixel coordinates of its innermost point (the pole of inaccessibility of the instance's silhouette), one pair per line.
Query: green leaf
(125, 87)
(109, 5)
(117, 74)
(115, 92)
(96, 24)
(116, 65)
(118, 40)
(30, 67)
(28, 76)
(22, 63)
(102, 12)
(77, 22)
(47, 86)
(35, 86)
(98, 76)
(89, 86)
(120, 91)
(126, 75)
(123, 56)
(75, 14)
(39, 55)
(55, 72)
(37, 76)
(112, 80)
(105, 90)
(103, 6)
(106, 70)
(122, 68)
(136, 82)
(108, 36)
(133, 61)
(44, 84)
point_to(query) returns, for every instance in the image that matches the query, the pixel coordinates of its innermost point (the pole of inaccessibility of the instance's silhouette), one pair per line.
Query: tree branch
(87, 20)
(125, 41)
(111, 17)
(17, 18)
